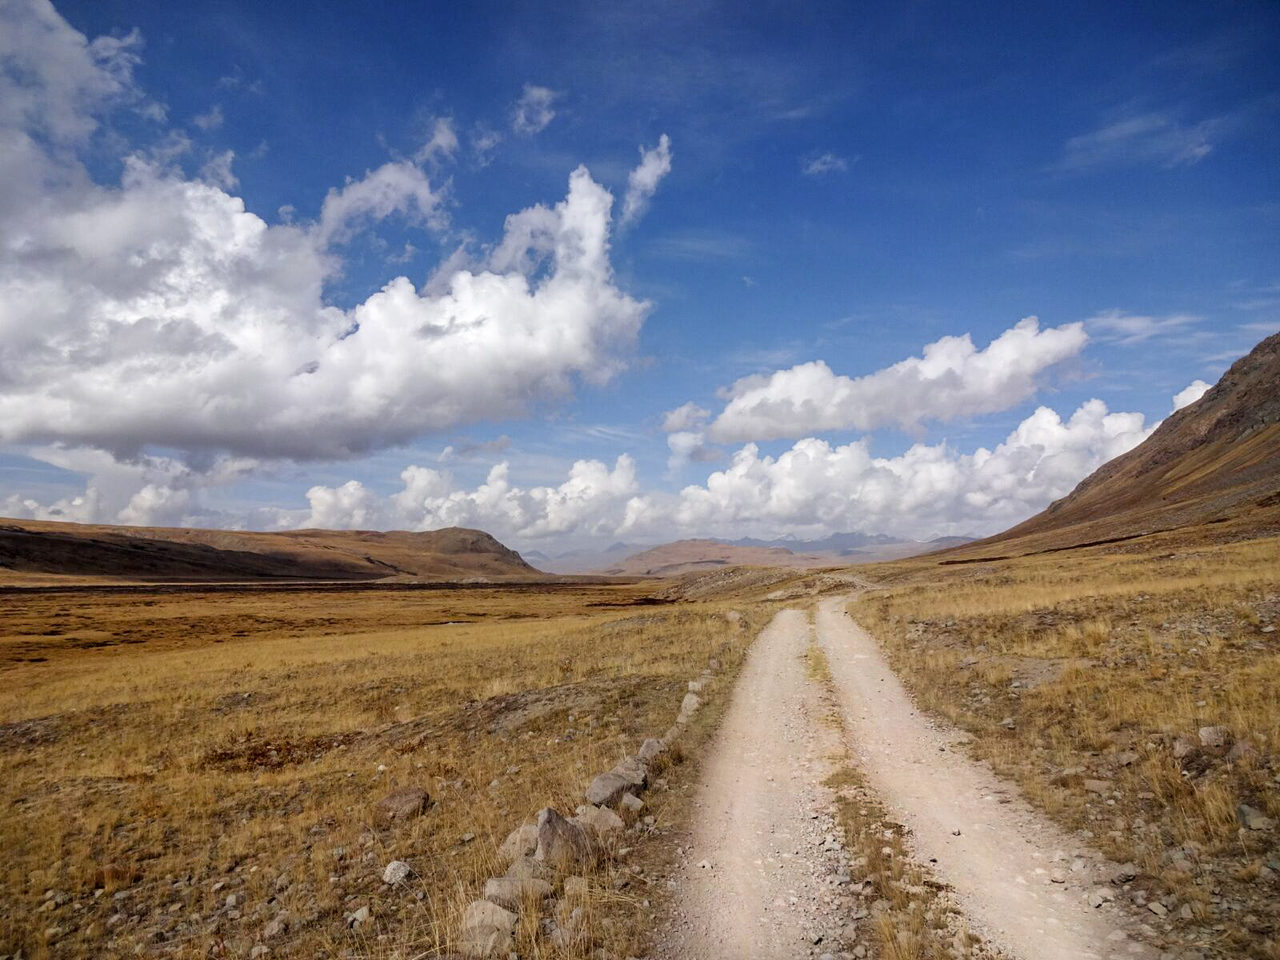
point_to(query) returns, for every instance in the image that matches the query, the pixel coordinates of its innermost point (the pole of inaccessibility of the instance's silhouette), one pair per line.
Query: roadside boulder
(601, 820)
(562, 844)
(635, 770)
(607, 789)
(651, 749)
(688, 707)
(400, 805)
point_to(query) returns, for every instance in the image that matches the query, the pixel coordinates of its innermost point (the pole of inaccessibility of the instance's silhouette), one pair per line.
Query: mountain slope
(177, 553)
(1216, 461)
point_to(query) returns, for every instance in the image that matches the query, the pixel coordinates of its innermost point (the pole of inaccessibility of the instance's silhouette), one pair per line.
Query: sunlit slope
(1214, 464)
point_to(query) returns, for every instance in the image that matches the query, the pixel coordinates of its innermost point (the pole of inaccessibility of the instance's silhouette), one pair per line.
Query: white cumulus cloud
(592, 501)
(811, 489)
(159, 312)
(815, 487)
(952, 379)
(1190, 394)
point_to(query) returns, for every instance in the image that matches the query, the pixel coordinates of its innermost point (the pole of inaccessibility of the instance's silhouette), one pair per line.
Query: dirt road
(758, 881)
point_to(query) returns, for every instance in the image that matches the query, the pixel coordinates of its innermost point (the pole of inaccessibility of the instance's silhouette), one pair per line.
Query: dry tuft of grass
(1134, 696)
(193, 775)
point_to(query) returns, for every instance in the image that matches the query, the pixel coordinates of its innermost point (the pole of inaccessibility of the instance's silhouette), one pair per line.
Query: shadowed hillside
(161, 553)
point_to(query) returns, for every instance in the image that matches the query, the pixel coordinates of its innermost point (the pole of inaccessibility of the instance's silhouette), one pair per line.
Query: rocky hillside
(177, 553)
(1215, 462)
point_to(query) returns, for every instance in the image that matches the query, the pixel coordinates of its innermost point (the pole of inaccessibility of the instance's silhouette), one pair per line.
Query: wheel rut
(766, 875)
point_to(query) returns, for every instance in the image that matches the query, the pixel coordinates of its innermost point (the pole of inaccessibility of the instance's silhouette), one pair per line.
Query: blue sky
(205, 204)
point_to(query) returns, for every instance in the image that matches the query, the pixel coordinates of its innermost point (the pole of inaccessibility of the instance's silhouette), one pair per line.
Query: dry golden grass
(1103, 667)
(163, 751)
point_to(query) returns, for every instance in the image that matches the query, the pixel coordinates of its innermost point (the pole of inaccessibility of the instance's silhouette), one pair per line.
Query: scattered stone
(631, 802)
(1182, 747)
(527, 868)
(487, 929)
(562, 844)
(521, 842)
(1253, 819)
(1100, 895)
(466, 837)
(695, 686)
(1214, 736)
(511, 893)
(277, 926)
(1127, 758)
(396, 871)
(1124, 873)
(1098, 786)
(1241, 751)
(1158, 908)
(360, 916)
(400, 805)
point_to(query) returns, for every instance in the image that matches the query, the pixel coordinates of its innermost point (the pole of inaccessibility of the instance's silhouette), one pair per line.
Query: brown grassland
(182, 769)
(1087, 676)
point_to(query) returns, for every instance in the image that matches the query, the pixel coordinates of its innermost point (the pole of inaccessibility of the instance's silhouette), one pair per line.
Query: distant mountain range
(841, 549)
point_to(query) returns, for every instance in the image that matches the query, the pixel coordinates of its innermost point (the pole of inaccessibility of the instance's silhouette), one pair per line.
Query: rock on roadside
(650, 750)
(602, 821)
(688, 707)
(562, 844)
